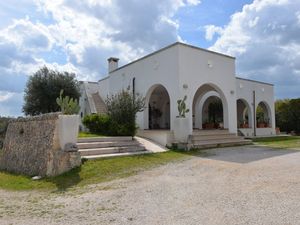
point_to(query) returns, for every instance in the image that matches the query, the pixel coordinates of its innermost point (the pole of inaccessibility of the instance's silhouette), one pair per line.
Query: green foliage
(182, 110)
(83, 134)
(288, 114)
(260, 115)
(44, 86)
(98, 123)
(120, 119)
(281, 142)
(122, 109)
(67, 105)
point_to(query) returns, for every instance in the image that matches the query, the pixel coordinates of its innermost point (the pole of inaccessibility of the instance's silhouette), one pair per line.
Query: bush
(98, 123)
(120, 120)
(288, 115)
(122, 108)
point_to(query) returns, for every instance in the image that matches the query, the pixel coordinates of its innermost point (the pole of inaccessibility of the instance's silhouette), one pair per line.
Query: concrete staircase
(215, 138)
(100, 147)
(99, 103)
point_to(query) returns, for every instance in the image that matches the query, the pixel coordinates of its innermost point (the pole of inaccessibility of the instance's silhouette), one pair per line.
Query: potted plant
(68, 122)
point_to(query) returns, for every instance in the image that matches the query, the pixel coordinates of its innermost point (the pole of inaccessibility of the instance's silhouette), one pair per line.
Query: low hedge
(104, 125)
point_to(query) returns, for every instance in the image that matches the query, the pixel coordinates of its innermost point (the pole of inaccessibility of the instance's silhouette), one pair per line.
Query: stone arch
(199, 97)
(263, 115)
(244, 115)
(157, 112)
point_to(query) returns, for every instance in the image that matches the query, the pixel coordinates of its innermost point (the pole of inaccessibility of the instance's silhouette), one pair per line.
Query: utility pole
(254, 115)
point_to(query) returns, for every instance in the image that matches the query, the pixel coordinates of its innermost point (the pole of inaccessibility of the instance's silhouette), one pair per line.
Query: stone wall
(32, 147)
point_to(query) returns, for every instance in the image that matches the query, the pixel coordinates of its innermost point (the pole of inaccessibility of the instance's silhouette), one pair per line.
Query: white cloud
(264, 37)
(10, 103)
(211, 30)
(4, 96)
(91, 31)
(78, 36)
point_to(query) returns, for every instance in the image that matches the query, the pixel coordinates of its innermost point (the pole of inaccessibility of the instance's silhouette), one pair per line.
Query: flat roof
(170, 46)
(240, 78)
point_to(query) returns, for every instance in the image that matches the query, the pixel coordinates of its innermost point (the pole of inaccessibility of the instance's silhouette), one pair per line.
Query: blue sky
(78, 36)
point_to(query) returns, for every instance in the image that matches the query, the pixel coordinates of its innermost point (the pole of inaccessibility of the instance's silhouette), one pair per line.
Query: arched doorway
(244, 118)
(212, 113)
(210, 106)
(263, 115)
(158, 102)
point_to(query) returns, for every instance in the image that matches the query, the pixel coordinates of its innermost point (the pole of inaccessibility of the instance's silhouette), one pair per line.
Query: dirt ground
(241, 185)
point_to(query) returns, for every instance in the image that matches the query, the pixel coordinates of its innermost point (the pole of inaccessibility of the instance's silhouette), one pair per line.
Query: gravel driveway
(242, 185)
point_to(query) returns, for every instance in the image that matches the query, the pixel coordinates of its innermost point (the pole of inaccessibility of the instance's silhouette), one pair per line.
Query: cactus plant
(182, 110)
(67, 105)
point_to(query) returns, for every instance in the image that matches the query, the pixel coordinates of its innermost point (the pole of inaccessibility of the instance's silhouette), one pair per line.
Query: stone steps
(218, 144)
(99, 147)
(215, 138)
(104, 139)
(104, 144)
(91, 157)
(110, 150)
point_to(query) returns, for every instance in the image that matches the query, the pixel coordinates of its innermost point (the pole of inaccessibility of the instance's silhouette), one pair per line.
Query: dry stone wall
(31, 147)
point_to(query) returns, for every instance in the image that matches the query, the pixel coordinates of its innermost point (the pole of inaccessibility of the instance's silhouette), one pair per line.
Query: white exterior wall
(263, 93)
(160, 68)
(103, 88)
(199, 67)
(184, 70)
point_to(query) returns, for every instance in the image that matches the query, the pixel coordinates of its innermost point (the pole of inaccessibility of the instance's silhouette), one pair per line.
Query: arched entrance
(210, 109)
(244, 118)
(263, 115)
(158, 110)
(212, 113)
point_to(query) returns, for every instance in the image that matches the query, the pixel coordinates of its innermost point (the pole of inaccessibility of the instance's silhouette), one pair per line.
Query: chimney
(112, 64)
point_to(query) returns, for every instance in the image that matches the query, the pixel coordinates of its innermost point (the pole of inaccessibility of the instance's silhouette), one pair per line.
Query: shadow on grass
(67, 180)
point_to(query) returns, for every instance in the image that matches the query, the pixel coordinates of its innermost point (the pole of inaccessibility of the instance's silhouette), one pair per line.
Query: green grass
(94, 172)
(87, 135)
(287, 142)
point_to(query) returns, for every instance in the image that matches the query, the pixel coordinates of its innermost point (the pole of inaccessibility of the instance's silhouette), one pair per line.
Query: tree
(122, 109)
(288, 114)
(44, 87)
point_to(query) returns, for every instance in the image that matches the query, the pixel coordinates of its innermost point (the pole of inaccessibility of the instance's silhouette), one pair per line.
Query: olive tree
(44, 86)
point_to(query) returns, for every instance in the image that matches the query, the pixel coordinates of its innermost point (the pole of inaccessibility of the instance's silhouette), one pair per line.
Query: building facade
(216, 98)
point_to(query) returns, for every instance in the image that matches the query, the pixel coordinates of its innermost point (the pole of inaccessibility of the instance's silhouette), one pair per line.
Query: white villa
(217, 99)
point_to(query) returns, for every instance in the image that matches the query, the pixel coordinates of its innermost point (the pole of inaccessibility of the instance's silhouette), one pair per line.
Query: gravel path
(227, 187)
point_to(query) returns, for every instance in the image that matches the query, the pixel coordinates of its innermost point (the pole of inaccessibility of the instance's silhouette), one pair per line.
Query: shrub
(122, 108)
(120, 120)
(98, 123)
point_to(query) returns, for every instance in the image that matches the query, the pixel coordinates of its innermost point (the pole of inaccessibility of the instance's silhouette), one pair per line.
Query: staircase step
(110, 150)
(220, 143)
(93, 157)
(104, 139)
(105, 144)
(210, 132)
(214, 137)
(218, 140)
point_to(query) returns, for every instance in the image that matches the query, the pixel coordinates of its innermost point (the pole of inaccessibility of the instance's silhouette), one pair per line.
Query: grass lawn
(279, 142)
(87, 135)
(94, 171)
